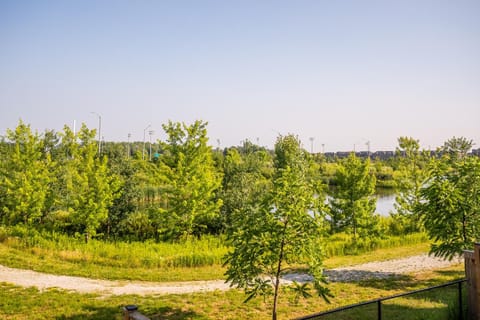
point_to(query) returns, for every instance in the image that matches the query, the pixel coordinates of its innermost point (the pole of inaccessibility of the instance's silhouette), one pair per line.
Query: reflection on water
(385, 203)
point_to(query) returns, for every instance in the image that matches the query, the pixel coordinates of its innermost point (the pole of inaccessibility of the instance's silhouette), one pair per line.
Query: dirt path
(28, 278)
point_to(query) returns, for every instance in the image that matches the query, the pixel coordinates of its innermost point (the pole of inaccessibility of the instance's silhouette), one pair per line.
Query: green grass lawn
(29, 303)
(197, 260)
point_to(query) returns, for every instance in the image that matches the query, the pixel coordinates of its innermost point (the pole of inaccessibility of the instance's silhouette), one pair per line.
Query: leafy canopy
(450, 200)
(284, 229)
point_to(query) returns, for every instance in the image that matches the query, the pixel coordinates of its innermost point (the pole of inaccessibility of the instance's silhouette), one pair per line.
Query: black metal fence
(446, 301)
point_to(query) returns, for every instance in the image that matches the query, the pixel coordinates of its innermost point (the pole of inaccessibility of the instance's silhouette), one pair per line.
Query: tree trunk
(277, 275)
(354, 222)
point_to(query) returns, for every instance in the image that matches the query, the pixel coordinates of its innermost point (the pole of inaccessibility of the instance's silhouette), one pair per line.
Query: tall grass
(342, 244)
(207, 251)
(191, 253)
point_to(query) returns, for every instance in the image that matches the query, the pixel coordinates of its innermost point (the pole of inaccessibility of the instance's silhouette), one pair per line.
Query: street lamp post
(150, 133)
(99, 132)
(311, 144)
(143, 150)
(128, 145)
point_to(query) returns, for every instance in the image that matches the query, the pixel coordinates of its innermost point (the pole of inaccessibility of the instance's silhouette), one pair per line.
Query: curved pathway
(383, 269)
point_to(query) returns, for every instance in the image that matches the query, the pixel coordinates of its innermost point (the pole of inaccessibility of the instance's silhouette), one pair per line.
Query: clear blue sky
(343, 72)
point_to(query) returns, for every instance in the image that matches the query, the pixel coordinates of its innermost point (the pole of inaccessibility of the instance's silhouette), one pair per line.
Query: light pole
(99, 132)
(368, 148)
(128, 145)
(311, 144)
(323, 148)
(143, 150)
(150, 133)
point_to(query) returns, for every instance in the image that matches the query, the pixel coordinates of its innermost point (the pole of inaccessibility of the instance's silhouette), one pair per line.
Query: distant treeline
(383, 155)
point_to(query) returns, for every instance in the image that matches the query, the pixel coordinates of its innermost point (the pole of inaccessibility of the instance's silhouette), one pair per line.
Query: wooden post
(472, 272)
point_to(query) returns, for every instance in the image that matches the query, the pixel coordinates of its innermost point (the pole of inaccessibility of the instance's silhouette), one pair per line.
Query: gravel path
(383, 269)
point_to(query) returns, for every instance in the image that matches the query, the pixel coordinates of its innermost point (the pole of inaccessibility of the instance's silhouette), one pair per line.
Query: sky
(339, 74)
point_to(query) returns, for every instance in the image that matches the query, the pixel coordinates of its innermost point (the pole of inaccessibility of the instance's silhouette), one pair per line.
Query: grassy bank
(196, 259)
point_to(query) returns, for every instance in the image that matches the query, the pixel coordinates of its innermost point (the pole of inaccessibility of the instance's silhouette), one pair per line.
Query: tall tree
(25, 178)
(246, 180)
(127, 197)
(409, 179)
(87, 187)
(450, 204)
(282, 230)
(353, 202)
(190, 178)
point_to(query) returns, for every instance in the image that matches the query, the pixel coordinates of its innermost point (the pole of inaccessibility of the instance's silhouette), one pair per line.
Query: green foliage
(58, 182)
(124, 217)
(384, 174)
(282, 230)
(342, 244)
(409, 179)
(450, 204)
(353, 203)
(456, 148)
(25, 177)
(88, 188)
(300, 290)
(191, 181)
(246, 181)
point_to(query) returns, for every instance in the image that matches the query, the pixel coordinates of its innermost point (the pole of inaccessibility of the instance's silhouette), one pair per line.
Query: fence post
(472, 272)
(379, 309)
(460, 301)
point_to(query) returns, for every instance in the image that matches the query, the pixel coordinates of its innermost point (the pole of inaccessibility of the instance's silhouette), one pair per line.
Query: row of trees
(58, 181)
(55, 180)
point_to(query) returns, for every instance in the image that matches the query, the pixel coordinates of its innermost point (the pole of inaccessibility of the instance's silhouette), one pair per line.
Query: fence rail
(379, 301)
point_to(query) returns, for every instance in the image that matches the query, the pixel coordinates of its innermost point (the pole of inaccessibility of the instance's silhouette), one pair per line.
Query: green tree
(87, 187)
(456, 148)
(190, 179)
(25, 178)
(126, 199)
(246, 180)
(409, 179)
(282, 230)
(450, 204)
(353, 202)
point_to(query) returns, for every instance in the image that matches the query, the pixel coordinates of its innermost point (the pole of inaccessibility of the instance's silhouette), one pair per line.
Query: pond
(385, 203)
